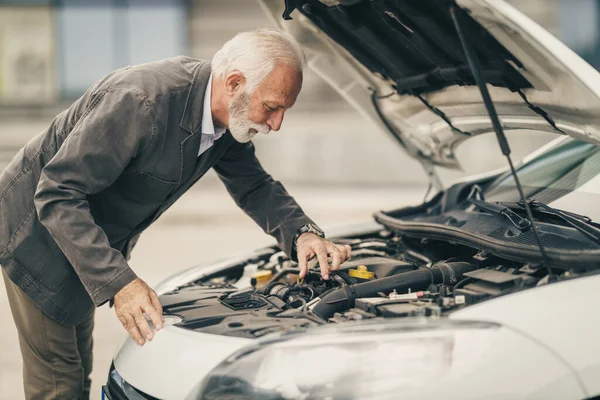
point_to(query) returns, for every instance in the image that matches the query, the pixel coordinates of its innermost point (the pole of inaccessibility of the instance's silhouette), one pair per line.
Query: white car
(460, 297)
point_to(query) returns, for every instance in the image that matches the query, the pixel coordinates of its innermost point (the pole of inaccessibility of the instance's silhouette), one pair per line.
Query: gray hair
(255, 53)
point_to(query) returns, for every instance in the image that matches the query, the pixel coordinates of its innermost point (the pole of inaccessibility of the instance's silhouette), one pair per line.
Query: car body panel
(559, 316)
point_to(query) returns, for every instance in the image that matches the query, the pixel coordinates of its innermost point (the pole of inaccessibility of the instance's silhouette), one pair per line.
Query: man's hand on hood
(131, 303)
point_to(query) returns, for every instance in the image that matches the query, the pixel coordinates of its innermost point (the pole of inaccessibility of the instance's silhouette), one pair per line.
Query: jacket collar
(191, 120)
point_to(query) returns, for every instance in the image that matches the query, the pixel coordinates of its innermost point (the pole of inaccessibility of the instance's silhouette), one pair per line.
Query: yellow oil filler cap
(262, 277)
(361, 272)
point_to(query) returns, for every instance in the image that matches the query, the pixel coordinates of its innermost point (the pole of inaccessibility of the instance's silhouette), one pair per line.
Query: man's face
(263, 110)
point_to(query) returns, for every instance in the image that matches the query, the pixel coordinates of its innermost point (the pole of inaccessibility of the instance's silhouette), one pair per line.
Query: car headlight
(118, 389)
(372, 361)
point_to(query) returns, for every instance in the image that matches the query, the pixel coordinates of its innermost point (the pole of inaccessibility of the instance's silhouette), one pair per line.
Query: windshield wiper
(519, 222)
(519, 205)
(581, 223)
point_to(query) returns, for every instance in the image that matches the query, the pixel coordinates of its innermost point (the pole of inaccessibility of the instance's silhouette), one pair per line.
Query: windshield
(566, 177)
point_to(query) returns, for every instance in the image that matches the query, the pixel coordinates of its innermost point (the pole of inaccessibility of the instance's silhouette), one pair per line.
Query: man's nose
(275, 120)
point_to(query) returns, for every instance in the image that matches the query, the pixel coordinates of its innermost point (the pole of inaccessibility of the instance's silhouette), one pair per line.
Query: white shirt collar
(208, 127)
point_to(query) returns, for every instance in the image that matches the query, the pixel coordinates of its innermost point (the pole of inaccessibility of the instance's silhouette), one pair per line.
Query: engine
(387, 277)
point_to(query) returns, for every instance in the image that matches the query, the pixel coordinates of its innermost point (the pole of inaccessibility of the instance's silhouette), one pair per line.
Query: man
(75, 199)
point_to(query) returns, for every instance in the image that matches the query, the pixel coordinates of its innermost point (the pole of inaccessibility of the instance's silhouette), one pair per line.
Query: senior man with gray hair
(75, 199)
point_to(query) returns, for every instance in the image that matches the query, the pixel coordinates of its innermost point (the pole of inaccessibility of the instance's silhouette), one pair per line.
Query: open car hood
(401, 64)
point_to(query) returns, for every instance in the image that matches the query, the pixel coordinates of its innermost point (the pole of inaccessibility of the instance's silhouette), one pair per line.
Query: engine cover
(225, 310)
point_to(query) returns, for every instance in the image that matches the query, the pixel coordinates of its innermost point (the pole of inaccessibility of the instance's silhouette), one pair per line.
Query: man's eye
(268, 108)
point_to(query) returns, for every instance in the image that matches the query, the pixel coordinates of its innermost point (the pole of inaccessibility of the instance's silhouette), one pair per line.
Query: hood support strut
(491, 109)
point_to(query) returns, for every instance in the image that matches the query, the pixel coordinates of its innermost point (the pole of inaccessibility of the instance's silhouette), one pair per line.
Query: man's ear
(234, 82)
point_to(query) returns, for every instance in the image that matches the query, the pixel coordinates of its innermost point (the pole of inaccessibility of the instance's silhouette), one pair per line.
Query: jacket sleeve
(115, 127)
(264, 199)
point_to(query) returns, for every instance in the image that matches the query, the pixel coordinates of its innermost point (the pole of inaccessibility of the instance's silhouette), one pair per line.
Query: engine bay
(388, 276)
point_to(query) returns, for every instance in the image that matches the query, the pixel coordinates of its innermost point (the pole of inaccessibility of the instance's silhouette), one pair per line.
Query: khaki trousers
(57, 360)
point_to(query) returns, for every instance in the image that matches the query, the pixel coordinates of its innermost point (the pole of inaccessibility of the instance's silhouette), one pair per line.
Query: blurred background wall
(51, 51)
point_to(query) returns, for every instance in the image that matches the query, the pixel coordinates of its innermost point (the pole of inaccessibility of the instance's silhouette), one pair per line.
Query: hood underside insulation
(413, 43)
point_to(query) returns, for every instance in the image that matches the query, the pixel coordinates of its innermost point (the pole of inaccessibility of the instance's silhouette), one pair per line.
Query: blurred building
(52, 50)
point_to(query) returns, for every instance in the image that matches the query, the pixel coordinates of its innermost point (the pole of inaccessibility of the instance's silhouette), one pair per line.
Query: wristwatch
(308, 228)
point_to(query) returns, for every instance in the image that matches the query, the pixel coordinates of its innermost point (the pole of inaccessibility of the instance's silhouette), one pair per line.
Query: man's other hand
(309, 245)
(131, 303)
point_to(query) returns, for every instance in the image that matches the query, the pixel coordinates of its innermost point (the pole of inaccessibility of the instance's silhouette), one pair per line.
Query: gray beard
(240, 126)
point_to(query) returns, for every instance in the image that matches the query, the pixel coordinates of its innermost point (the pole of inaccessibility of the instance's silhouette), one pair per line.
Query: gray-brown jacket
(76, 197)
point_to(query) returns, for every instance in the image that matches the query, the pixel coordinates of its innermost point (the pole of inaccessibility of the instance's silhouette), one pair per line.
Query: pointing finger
(322, 256)
(303, 264)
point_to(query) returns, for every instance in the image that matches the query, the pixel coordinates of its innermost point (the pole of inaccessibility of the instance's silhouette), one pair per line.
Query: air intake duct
(342, 299)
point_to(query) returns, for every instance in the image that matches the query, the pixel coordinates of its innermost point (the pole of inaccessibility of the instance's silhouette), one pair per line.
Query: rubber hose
(342, 299)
